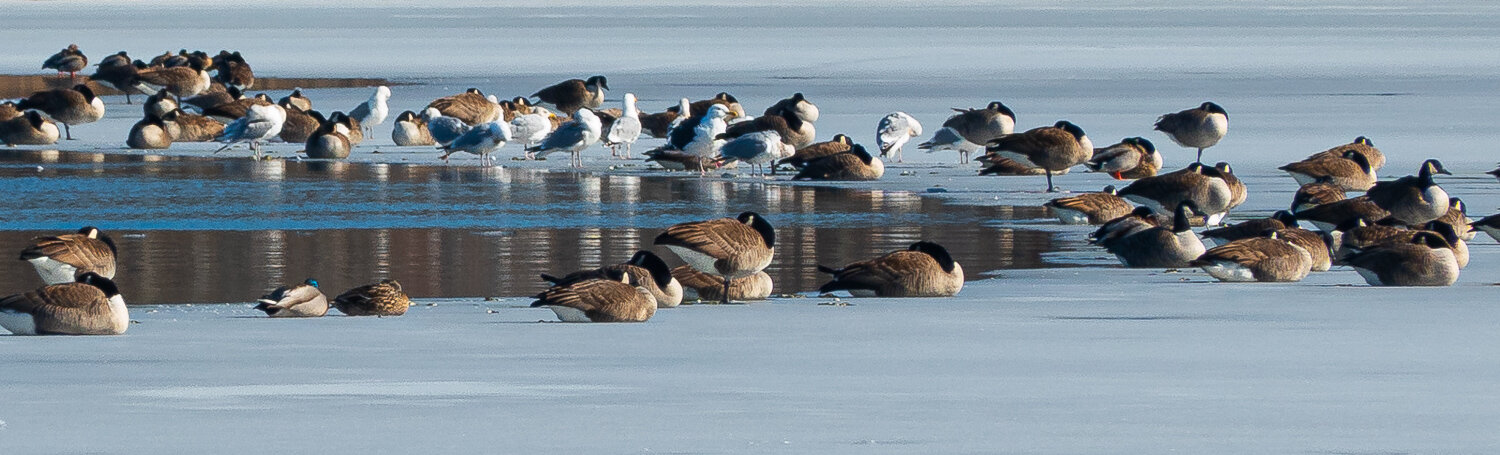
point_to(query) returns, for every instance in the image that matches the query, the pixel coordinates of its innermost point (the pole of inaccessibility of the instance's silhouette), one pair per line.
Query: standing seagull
(698, 136)
(373, 111)
(894, 130)
(948, 138)
(532, 127)
(444, 129)
(625, 129)
(260, 123)
(74, 106)
(1199, 128)
(572, 94)
(731, 248)
(70, 60)
(758, 149)
(571, 137)
(1052, 148)
(480, 140)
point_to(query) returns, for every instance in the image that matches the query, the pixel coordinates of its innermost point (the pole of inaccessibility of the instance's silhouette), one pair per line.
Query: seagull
(480, 140)
(757, 149)
(571, 137)
(373, 111)
(625, 130)
(948, 138)
(533, 127)
(894, 130)
(444, 129)
(261, 122)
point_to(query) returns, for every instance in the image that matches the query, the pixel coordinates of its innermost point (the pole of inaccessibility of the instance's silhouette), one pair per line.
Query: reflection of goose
(727, 247)
(703, 286)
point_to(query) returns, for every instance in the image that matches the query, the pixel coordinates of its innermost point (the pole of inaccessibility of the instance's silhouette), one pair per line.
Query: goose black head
(1286, 218)
(235, 93)
(36, 120)
(617, 275)
(88, 93)
(1001, 108)
(759, 223)
(1224, 169)
(1430, 240)
(863, 155)
(1183, 216)
(1210, 107)
(105, 285)
(600, 81)
(474, 91)
(1070, 128)
(521, 101)
(937, 252)
(1363, 141)
(1110, 189)
(1458, 204)
(1351, 224)
(1446, 230)
(1431, 167)
(317, 116)
(1358, 158)
(1270, 234)
(843, 139)
(660, 272)
(407, 116)
(797, 98)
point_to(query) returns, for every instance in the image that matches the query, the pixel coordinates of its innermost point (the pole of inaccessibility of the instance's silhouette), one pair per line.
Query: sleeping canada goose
(608, 299)
(757, 149)
(1316, 193)
(980, 126)
(1413, 200)
(356, 133)
(91, 305)
(700, 107)
(701, 286)
(232, 110)
(411, 130)
(574, 94)
(839, 144)
(72, 106)
(661, 123)
(1089, 208)
(1251, 228)
(194, 128)
(1458, 217)
(303, 300)
(728, 247)
(233, 71)
(215, 96)
(119, 71)
(1362, 146)
(1455, 242)
(797, 105)
(1159, 247)
(380, 299)
(856, 165)
(69, 60)
(1329, 216)
(625, 130)
(471, 107)
(893, 131)
(1237, 191)
(1319, 246)
(925, 269)
(1350, 171)
(792, 129)
(1132, 158)
(31, 128)
(61, 259)
(571, 138)
(296, 99)
(180, 81)
(1052, 148)
(1199, 128)
(152, 133)
(1263, 259)
(1206, 187)
(160, 104)
(1139, 219)
(329, 141)
(1424, 260)
(645, 269)
(300, 125)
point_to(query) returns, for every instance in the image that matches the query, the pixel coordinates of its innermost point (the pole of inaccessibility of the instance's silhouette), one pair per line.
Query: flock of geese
(1403, 232)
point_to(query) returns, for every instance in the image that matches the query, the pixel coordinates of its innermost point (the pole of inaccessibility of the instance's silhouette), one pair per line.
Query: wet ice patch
(409, 389)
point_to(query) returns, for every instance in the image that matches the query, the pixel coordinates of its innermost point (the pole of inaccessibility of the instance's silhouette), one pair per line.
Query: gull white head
(684, 107)
(492, 99)
(431, 113)
(630, 109)
(718, 111)
(585, 115)
(382, 93)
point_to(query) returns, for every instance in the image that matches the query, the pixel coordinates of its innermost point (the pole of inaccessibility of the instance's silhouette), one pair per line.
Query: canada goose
(707, 287)
(1362, 146)
(1251, 228)
(947, 138)
(1200, 127)
(1203, 185)
(1264, 259)
(1052, 148)
(796, 105)
(1458, 217)
(1319, 246)
(329, 141)
(380, 299)
(1455, 242)
(31, 128)
(161, 60)
(677, 160)
(1329, 216)
(181, 81)
(1089, 208)
(698, 135)
(1413, 200)
(658, 125)
(373, 111)
(152, 133)
(727, 247)
(159, 104)
(296, 99)
(1159, 247)
(1350, 171)
(608, 299)
(73, 106)
(1424, 260)
(480, 140)
(856, 165)
(531, 127)
(91, 305)
(1132, 158)
(356, 132)
(574, 94)
(645, 269)
(607, 117)
(1490, 225)
(119, 72)
(411, 130)
(925, 269)
(300, 125)
(792, 129)
(980, 126)
(194, 128)
(1237, 190)
(1313, 194)
(303, 300)
(261, 123)
(69, 60)
(214, 97)
(701, 107)
(1358, 234)
(839, 144)
(233, 71)
(471, 107)
(518, 106)
(625, 130)
(893, 131)
(998, 165)
(571, 138)
(61, 259)
(1139, 219)
(232, 110)
(758, 149)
